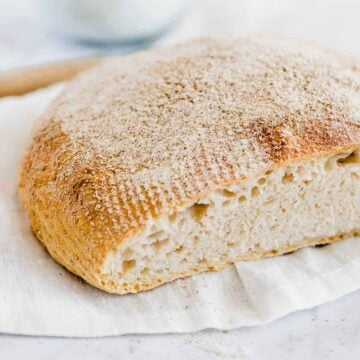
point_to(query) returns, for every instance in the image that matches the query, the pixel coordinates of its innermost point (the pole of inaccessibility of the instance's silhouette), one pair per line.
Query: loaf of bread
(173, 161)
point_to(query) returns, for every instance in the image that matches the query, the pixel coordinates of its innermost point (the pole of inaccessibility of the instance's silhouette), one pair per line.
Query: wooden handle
(22, 81)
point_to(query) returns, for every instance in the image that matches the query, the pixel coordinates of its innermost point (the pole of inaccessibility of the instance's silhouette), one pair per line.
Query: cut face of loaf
(306, 203)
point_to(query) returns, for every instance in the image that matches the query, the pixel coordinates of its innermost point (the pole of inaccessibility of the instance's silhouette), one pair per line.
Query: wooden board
(22, 81)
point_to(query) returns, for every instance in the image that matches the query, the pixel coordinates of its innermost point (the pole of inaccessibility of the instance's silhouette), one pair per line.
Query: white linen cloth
(39, 297)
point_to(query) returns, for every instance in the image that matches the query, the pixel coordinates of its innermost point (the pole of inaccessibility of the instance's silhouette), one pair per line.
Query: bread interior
(312, 200)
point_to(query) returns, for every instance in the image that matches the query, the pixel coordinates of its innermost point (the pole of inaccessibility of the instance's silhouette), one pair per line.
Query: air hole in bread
(262, 181)
(226, 202)
(199, 211)
(172, 218)
(159, 244)
(145, 271)
(179, 249)
(127, 265)
(242, 198)
(287, 177)
(255, 191)
(348, 159)
(228, 193)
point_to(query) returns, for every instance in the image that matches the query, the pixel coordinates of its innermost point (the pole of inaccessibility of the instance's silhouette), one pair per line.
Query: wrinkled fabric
(39, 297)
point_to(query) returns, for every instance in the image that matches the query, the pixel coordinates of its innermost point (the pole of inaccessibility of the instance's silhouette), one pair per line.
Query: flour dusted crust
(147, 134)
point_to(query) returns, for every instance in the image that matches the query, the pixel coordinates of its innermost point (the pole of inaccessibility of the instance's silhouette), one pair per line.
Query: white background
(27, 38)
(328, 332)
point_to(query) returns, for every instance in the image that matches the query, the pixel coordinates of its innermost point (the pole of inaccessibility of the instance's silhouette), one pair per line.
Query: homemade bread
(173, 161)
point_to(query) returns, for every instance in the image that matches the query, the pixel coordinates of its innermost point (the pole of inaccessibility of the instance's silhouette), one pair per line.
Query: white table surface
(331, 331)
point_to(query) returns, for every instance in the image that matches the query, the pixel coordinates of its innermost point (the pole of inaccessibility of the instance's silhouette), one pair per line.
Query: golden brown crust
(142, 135)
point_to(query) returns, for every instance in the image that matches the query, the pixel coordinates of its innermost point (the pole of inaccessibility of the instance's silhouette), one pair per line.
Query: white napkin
(39, 297)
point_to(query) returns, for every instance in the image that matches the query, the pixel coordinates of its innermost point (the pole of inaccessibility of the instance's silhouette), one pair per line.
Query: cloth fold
(39, 297)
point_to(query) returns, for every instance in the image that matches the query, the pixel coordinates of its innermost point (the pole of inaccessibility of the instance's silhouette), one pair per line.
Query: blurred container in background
(121, 21)
(31, 31)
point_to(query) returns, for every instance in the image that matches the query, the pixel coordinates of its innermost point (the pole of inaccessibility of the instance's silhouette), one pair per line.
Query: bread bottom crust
(255, 255)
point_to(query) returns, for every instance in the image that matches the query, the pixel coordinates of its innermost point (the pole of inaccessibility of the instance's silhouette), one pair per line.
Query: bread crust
(145, 135)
